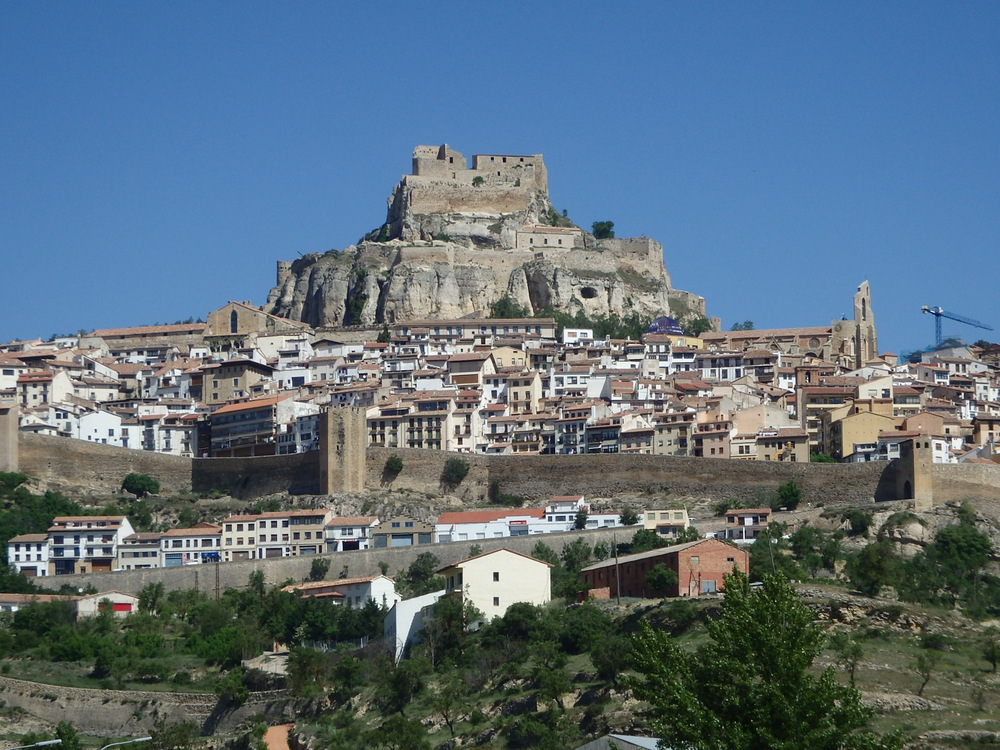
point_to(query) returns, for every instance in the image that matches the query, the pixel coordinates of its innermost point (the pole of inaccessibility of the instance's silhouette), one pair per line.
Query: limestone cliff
(457, 239)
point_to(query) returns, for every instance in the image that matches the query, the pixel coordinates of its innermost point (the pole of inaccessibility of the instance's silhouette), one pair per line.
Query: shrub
(394, 464)
(318, 569)
(628, 516)
(140, 485)
(454, 471)
(789, 496)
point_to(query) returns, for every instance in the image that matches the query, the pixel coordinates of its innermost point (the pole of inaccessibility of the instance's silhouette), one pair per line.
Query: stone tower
(343, 450)
(8, 436)
(865, 336)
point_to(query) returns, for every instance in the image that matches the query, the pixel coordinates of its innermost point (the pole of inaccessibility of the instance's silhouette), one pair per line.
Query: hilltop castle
(456, 239)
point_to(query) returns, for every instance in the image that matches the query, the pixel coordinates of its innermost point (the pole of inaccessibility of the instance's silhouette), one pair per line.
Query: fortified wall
(346, 464)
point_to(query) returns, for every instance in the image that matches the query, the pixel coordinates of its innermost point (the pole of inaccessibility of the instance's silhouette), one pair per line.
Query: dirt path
(276, 738)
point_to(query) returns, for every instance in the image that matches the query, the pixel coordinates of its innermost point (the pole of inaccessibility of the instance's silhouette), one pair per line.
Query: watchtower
(8, 436)
(343, 450)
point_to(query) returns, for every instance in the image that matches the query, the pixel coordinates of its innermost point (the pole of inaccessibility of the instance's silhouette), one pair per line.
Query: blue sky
(156, 159)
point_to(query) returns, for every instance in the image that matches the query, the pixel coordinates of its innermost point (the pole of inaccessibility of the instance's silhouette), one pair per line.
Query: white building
(201, 543)
(29, 554)
(352, 592)
(495, 580)
(406, 619)
(349, 533)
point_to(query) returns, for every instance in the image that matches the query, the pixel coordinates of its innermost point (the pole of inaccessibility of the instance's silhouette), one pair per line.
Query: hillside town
(248, 383)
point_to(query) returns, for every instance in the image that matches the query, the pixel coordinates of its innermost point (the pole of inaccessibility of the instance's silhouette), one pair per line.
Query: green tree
(643, 541)
(397, 686)
(580, 522)
(789, 496)
(603, 230)
(393, 464)
(822, 458)
(449, 700)
(318, 569)
(507, 307)
(384, 335)
(151, 598)
(398, 733)
(688, 534)
(696, 326)
(875, 566)
(140, 485)
(454, 471)
(661, 579)
(751, 686)
(848, 653)
(628, 516)
(990, 647)
(71, 739)
(746, 325)
(925, 666)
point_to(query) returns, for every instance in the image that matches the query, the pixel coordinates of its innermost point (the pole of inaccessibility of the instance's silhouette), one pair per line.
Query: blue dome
(663, 324)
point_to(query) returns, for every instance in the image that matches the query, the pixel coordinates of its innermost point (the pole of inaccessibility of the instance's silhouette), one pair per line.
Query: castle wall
(247, 478)
(82, 467)
(436, 197)
(437, 161)
(605, 475)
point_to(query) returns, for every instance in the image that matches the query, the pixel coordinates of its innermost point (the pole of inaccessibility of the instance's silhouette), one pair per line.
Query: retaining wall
(220, 576)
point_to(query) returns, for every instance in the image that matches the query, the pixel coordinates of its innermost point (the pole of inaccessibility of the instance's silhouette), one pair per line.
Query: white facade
(495, 580)
(406, 619)
(29, 554)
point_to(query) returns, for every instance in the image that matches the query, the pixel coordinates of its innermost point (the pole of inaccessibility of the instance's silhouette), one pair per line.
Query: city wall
(85, 468)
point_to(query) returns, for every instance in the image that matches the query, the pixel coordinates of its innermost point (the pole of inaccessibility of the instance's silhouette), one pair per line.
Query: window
(496, 601)
(496, 575)
(695, 559)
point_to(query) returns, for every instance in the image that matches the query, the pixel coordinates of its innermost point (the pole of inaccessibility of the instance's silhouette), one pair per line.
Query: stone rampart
(606, 475)
(444, 198)
(247, 478)
(82, 467)
(973, 482)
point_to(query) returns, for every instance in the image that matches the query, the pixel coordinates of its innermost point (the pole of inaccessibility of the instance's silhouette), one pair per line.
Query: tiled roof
(485, 516)
(248, 405)
(179, 328)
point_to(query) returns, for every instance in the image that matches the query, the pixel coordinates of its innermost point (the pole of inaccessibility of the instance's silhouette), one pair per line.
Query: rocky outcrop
(457, 240)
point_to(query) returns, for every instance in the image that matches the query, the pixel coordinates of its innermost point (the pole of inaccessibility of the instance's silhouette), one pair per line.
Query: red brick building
(700, 567)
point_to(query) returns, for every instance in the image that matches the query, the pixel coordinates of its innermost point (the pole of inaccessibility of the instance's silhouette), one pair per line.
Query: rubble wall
(85, 468)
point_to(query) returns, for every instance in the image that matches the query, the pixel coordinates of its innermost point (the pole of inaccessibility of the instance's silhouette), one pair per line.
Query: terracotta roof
(201, 529)
(148, 330)
(485, 516)
(28, 538)
(312, 585)
(493, 552)
(352, 521)
(247, 405)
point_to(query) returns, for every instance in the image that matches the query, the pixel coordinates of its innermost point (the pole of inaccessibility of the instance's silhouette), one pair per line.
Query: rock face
(457, 239)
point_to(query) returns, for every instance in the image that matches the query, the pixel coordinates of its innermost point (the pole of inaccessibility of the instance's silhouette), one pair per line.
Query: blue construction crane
(938, 313)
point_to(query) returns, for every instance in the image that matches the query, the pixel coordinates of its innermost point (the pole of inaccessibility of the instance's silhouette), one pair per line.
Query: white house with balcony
(349, 533)
(86, 544)
(29, 554)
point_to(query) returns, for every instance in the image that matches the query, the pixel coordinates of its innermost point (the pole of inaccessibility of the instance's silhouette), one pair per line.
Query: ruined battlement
(442, 164)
